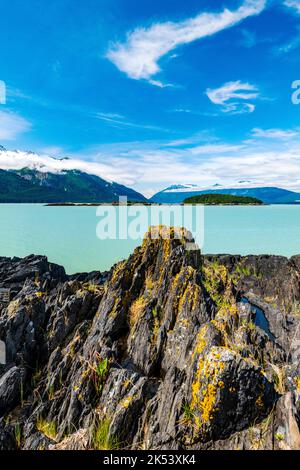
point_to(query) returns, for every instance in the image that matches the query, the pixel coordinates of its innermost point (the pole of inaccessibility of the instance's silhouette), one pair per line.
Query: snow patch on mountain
(183, 188)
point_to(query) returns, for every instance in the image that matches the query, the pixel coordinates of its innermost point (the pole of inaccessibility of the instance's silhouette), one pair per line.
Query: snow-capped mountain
(269, 195)
(29, 177)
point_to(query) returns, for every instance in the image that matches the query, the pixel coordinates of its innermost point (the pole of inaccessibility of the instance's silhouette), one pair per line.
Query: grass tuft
(102, 440)
(49, 428)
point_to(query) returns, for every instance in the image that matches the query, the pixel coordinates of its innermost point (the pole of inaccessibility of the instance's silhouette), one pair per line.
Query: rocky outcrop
(170, 350)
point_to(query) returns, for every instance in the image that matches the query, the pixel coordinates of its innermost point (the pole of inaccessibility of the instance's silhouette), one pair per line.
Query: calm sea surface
(67, 235)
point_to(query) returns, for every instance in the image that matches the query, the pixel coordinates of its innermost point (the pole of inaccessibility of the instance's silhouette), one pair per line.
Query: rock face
(170, 350)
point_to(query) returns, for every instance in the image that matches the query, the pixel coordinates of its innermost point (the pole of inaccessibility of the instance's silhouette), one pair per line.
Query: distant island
(96, 204)
(223, 199)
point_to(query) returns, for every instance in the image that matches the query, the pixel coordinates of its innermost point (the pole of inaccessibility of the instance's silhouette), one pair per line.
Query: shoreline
(94, 272)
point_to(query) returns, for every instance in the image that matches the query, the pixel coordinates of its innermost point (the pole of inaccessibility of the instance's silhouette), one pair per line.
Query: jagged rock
(274, 279)
(230, 393)
(80, 440)
(7, 438)
(11, 389)
(287, 434)
(21, 326)
(165, 351)
(38, 441)
(14, 272)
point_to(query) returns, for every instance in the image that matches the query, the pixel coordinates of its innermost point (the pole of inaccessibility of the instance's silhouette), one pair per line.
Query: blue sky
(155, 92)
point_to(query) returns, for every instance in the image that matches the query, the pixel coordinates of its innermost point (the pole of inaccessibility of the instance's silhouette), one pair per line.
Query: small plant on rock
(102, 440)
(49, 428)
(18, 435)
(187, 414)
(101, 370)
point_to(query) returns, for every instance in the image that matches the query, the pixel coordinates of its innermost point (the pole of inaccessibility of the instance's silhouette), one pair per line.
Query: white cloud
(295, 4)
(214, 149)
(181, 110)
(109, 116)
(117, 120)
(270, 158)
(260, 167)
(274, 133)
(16, 160)
(138, 57)
(160, 84)
(290, 46)
(2, 92)
(11, 125)
(156, 165)
(233, 97)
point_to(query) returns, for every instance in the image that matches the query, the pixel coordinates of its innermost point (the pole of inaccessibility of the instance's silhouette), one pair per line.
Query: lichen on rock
(161, 352)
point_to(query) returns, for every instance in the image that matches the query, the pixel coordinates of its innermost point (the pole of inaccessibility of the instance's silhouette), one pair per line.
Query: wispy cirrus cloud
(233, 97)
(138, 57)
(118, 120)
(274, 133)
(12, 125)
(295, 4)
(291, 45)
(2, 92)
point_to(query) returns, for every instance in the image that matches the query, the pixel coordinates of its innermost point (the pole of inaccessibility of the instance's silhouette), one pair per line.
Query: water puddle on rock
(260, 319)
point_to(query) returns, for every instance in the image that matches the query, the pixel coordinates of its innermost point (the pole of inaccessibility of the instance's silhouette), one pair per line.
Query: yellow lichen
(149, 283)
(208, 381)
(126, 383)
(207, 404)
(136, 310)
(126, 401)
(259, 402)
(40, 294)
(297, 382)
(117, 271)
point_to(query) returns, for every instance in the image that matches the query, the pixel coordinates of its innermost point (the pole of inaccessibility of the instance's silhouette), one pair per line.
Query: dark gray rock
(11, 389)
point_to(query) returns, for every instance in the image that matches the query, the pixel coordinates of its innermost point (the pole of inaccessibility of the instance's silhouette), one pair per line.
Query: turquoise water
(67, 235)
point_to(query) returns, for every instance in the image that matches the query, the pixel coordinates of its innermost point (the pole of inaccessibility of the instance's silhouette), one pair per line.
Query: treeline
(222, 199)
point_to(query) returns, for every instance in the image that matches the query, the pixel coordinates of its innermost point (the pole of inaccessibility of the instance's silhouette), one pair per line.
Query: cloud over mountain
(17, 160)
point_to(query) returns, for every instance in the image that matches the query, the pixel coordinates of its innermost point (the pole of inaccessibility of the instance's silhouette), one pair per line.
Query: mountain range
(269, 195)
(40, 183)
(36, 179)
(32, 186)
